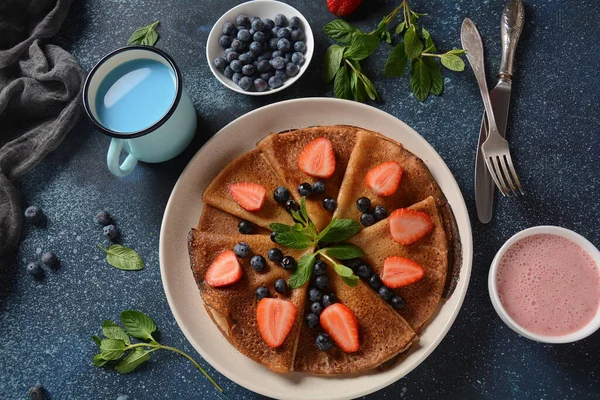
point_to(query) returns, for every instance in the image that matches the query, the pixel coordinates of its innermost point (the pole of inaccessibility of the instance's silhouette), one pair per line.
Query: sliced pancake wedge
(383, 334)
(250, 167)
(233, 307)
(430, 252)
(371, 150)
(283, 150)
(215, 220)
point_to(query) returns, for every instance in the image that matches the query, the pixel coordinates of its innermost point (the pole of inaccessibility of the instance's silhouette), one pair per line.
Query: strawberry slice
(407, 226)
(384, 179)
(340, 323)
(224, 270)
(251, 196)
(318, 159)
(400, 271)
(275, 320)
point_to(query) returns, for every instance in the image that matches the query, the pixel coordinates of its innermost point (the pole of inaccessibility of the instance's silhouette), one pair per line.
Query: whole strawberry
(342, 8)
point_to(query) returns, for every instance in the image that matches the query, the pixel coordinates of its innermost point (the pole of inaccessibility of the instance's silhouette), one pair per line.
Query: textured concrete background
(553, 127)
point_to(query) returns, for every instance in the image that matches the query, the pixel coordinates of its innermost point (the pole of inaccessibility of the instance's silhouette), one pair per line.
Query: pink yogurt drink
(548, 285)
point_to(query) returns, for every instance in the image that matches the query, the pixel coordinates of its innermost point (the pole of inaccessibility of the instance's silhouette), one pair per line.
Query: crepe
(430, 252)
(250, 167)
(282, 151)
(233, 307)
(383, 334)
(218, 221)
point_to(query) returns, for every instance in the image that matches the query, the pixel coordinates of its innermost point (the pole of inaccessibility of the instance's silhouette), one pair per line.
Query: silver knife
(511, 25)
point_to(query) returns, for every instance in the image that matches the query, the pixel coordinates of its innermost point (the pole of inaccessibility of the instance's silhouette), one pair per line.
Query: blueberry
(236, 77)
(318, 187)
(367, 219)
(380, 213)
(322, 282)
(298, 58)
(258, 263)
(300, 47)
(265, 76)
(353, 263)
(260, 85)
(284, 45)
(238, 46)
(38, 392)
(364, 271)
(275, 82)
(281, 195)
(363, 204)
(273, 43)
(245, 227)
(288, 263)
(258, 24)
(229, 29)
(274, 254)
(263, 66)
(50, 259)
(232, 55)
(281, 286)
(266, 56)
(291, 69)
(398, 302)
(225, 41)
(103, 218)
(375, 282)
(34, 215)
(236, 65)
(295, 23)
(228, 50)
(315, 294)
(312, 320)
(268, 24)
(297, 35)
(280, 20)
(316, 308)
(323, 342)
(319, 268)
(242, 250)
(278, 62)
(292, 205)
(386, 293)
(274, 31)
(110, 231)
(281, 74)
(248, 70)
(256, 48)
(245, 83)
(329, 203)
(244, 59)
(285, 33)
(261, 293)
(329, 299)
(259, 37)
(251, 56)
(244, 36)
(273, 237)
(220, 63)
(243, 20)
(276, 54)
(288, 57)
(35, 269)
(305, 189)
(228, 72)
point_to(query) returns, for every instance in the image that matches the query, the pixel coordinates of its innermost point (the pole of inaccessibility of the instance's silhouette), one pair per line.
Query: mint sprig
(117, 349)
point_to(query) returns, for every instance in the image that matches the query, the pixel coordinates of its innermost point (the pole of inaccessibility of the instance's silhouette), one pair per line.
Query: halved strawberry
(250, 196)
(224, 270)
(400, 271)
(384, 179)
(340, 323)
(275, 320)
(407, 226)
(318, 159)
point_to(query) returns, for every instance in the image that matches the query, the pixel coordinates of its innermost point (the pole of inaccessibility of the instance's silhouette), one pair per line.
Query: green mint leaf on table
(341, 31)
(437, 81)
(112, 349)
(400, 28)
(281, 228)
(341, 85)
(396, 62)
(452, 62)
(412, 44)
(420, 79)
(303, 271)
(113, 331)
(123, 258)
(331, 62)
(350, 280)
(138, 324)
(362, 47)
(429, 45)
(96, 339)
(369, 87)
(133, 360)
(145, 35)
(294, 240)
(457, 51)
(98, 361)
(340, 230)
(344, 251)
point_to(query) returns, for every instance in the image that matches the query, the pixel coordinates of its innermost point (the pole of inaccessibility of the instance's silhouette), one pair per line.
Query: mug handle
(112, 159)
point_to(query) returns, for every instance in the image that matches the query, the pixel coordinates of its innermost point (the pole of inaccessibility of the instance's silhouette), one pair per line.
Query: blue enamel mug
(135, 95)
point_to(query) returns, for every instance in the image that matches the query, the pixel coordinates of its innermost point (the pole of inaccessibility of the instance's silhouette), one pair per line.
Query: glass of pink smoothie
(544, 284)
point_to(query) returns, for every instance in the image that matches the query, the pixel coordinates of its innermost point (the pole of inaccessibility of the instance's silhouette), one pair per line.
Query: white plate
(183, 212)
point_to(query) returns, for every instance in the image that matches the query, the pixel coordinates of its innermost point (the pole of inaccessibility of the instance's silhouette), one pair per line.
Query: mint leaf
(98, 361)
(362, 47)
(298, 227)
(133, 360)
(344, 251)
(303, 271)
(280, 228)
(303, 211)
(420, 79)
(437, 81)
(145, 35)
(369, 87)
(350, 280)
(452, 61)
(113, 331)
(400, 28)
(112, 349)
(296, 216)
(340, 31)
(341, 84)
(96, 339)
(342, 270)
(138, 324)
(412, 44)
(396, 62)
(331, 62)
(456, 51)
(429, 45)
(123, 258)
(358, 88)
(340, 230)
(294, 240)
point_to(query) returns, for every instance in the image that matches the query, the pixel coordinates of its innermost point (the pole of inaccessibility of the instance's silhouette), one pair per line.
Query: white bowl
(262, 9)
(585, 244)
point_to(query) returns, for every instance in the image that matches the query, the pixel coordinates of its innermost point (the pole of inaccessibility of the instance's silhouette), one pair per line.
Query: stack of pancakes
(384, 333)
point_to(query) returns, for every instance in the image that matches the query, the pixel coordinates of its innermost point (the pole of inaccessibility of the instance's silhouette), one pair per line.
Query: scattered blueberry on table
(34, 215)
(37, 392)
(50, 259)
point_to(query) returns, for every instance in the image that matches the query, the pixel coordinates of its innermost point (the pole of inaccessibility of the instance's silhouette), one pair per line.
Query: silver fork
(495, 149)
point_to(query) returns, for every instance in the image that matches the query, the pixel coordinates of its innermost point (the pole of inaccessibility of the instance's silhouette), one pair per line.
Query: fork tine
(503, 162)
(514, 173)
(499, 175)
(488, 162)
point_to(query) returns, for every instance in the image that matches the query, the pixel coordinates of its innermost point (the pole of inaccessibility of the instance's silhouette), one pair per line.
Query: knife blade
(511, 25)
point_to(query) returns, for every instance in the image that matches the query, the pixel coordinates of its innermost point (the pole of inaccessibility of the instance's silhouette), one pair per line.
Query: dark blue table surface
(553, 128)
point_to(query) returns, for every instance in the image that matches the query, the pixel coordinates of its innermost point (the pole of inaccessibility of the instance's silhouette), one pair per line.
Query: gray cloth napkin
(39, 99)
